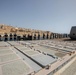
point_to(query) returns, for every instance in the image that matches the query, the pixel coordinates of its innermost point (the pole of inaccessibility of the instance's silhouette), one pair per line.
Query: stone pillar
(58, 35)
(38, 36)
(0, 37)
(18, 37)
(50, 36)
(55, 35)
(43, 36)
(24, 37)
(5, 37)
(15, 37)
(11, 37)
(34, 36)
(47, 36)
(29, 37)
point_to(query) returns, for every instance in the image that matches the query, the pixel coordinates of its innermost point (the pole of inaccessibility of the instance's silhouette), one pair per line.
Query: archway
(0, 37)
(15, 37)
(11, 37)
(5, 37)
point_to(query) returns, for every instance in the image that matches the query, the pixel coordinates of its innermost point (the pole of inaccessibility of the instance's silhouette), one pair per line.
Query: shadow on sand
(69, 39)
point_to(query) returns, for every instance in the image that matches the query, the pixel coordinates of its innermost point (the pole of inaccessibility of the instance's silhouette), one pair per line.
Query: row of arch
(14, 37)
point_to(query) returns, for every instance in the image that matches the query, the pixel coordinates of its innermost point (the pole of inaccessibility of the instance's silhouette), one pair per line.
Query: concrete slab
(15, 68)
(44, 59)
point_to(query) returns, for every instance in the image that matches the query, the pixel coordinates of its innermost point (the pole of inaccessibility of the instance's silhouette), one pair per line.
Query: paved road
(71, 70)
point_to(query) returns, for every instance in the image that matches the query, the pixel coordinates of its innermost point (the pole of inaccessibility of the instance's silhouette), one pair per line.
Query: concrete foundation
(65, 67)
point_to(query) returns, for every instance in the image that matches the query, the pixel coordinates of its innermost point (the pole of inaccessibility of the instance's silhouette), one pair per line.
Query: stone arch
(5, 37)
(15, 36)
(43, 36)
(11, 36)
(38, 36)
(24, 37)
(34, 36)
(0, 37)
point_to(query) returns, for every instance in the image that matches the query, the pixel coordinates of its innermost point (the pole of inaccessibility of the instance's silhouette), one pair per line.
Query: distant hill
(19, 31)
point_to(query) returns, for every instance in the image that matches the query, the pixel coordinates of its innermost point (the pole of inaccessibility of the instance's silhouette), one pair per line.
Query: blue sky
(51, 15)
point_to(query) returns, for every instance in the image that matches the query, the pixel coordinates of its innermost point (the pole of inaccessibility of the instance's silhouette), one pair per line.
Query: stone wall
(29, 33)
